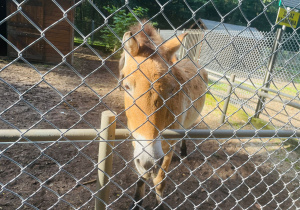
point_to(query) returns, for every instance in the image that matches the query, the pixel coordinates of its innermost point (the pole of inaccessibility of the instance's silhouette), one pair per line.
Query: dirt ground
(217, 173)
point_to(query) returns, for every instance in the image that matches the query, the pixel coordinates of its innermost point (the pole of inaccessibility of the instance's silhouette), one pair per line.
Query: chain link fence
(51, 126)
(246, 54)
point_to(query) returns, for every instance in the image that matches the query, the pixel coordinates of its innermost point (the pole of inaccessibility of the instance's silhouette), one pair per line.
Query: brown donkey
(157, 97)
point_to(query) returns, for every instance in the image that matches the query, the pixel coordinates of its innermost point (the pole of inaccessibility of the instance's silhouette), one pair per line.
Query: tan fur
(151, 92)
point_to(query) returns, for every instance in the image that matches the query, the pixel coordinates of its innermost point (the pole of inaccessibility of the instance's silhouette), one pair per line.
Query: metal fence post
(226, 102)
(105, 157)
(267, 81)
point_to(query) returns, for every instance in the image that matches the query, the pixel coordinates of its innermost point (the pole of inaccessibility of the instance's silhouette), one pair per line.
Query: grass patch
(99, 46)
(210, 101)
(96, 44)
(218, 86)
(291, 90)
(261, 124)
(78, 41)
(238, 117)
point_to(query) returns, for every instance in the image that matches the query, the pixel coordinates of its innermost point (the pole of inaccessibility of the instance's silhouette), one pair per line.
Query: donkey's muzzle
(148, 167)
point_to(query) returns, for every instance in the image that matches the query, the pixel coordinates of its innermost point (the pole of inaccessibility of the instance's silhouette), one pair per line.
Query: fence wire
(217, 173)
(246, 54)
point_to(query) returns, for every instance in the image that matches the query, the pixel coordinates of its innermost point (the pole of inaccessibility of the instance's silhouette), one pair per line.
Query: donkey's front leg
(183, 152)
(159, 181)
(139, 194)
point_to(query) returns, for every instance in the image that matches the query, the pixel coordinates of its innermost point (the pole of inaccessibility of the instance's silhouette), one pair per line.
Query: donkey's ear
(172, 45)
(130, 43)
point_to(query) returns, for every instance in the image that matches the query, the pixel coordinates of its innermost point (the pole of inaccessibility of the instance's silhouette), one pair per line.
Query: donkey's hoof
(183, 153)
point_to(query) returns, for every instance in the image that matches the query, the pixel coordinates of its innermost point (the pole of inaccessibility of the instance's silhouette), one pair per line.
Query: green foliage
(260, 14)
(255, 13)
(120, 23)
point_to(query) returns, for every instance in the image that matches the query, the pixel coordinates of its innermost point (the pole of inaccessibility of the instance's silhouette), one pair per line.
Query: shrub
(121, 21)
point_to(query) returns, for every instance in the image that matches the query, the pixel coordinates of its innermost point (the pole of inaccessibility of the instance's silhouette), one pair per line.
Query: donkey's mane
(144, 32)
(148, 38)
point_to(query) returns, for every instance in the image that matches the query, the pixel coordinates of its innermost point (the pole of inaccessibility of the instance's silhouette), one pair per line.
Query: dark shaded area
(3, 31)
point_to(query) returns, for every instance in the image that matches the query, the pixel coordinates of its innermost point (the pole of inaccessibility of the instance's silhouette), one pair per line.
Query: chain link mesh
(218, 173)
(246, 54)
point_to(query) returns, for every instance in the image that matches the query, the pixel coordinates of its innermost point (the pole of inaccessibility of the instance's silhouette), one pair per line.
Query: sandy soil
(235, 173)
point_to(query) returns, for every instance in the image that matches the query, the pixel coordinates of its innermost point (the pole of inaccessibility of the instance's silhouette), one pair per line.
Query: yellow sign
(290, 20)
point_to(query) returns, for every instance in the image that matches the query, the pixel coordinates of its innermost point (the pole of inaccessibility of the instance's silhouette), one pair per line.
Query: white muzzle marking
(146, 154)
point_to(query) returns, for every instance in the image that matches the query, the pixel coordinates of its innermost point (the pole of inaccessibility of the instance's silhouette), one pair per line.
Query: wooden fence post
(105, 157)
(226, 102)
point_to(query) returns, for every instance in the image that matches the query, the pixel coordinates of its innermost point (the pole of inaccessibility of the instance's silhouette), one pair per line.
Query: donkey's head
(147, 85)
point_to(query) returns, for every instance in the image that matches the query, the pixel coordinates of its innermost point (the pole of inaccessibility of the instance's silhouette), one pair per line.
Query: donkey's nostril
(138, 161)
(127, 87)
(146, 165)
